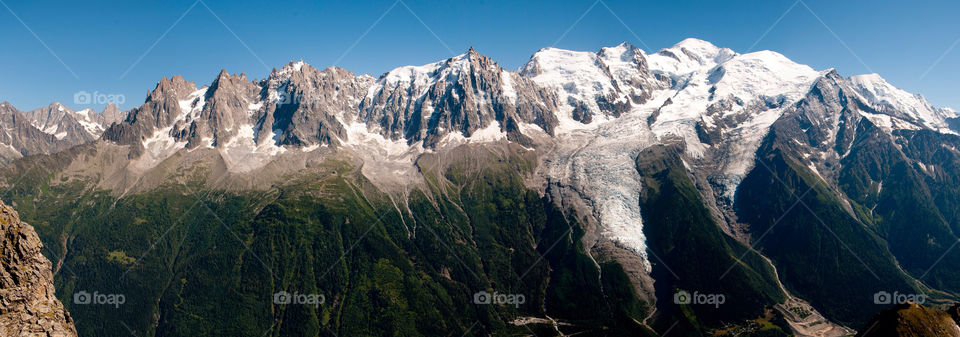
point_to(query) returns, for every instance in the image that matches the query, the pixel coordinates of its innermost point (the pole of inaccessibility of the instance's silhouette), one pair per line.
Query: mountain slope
(412, 266)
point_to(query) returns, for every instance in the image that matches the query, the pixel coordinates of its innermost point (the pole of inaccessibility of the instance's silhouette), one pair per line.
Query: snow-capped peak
(950, 112)
(623, 50)
(578, 77)
(696, 44)
(899, 103)
(688, 56)
(766, 72)
(419, 79)
(428, 72)
(288, 70)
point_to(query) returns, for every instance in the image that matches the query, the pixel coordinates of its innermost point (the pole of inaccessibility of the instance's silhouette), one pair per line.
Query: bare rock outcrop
(28, 304)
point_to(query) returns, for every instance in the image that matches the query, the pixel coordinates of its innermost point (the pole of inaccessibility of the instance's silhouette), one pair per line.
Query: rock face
(73, 127)
(28, 305)
(299, 106)
(50, 129)
(912, 320)
(304, 106)
(460, 95)
(18, 136)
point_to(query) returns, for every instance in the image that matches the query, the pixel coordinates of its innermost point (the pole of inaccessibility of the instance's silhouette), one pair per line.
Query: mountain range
(603, 186)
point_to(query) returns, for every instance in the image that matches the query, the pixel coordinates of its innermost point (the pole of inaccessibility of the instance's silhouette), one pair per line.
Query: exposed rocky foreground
(28, 305)
(911, 319)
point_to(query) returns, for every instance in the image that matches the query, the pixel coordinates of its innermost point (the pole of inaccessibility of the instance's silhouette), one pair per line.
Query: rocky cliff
(911, 319)
(28, 305)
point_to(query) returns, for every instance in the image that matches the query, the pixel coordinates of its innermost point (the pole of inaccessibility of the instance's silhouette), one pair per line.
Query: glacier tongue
(599, 164)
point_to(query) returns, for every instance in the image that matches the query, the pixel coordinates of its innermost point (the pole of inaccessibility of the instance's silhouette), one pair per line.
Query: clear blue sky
(100, 40)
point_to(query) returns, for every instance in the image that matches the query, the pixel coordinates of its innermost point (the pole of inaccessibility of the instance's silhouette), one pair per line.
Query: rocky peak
(111, 114)
(459, 95)
(631, 72)
(63, 123)
(28, 302)
(19, 137)
(171, 100)
(162, 106)
(174, 87)
(306, 106)
(827, 116)
(7, 110)
(224, 109)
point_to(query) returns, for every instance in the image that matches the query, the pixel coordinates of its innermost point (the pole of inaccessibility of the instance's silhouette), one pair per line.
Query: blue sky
(99, 43)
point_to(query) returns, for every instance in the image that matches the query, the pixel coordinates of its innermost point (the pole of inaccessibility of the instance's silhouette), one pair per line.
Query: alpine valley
(693, 191)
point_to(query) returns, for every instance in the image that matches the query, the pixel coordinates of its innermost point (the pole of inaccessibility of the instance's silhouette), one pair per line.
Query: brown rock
(28, 303)
(911, 320)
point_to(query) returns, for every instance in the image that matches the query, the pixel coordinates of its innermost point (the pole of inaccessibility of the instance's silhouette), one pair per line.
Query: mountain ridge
(740, 135)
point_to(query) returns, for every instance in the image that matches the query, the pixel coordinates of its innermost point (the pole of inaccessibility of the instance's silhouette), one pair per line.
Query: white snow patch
(193, 104)
(158, 147)
(508, 90)
(254, 107)
(243, 154)
(421, 77)
(310, 148)
(51, 129)
(813, 167)
(490, 133)
(89, 123)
